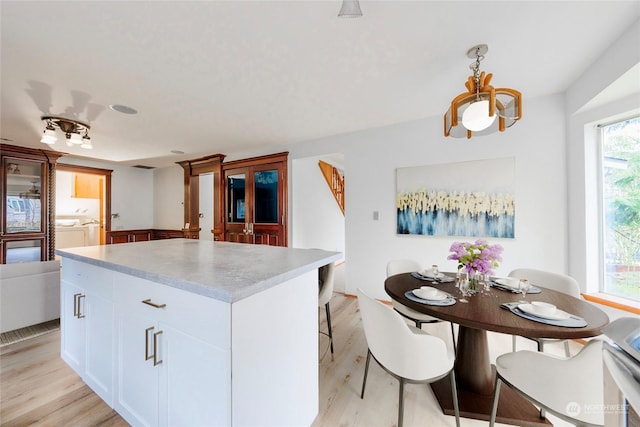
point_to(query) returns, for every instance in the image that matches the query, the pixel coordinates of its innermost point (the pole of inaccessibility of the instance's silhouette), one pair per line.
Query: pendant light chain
(475, 67)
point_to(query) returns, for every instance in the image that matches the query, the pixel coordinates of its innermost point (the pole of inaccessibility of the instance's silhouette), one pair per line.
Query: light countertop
(225, 271)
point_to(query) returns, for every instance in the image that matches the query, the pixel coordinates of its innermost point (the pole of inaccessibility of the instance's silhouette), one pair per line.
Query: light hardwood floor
(39, 389)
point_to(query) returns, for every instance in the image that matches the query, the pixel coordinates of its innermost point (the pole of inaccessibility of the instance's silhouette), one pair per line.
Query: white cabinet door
(86, 343)
(137, 377)
(72, 326)
(195, 386)
(98, 365)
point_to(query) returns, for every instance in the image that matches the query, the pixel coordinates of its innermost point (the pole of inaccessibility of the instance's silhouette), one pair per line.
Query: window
(620, 160)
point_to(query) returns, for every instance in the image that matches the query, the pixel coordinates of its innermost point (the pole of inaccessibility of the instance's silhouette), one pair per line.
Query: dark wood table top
(483, 309)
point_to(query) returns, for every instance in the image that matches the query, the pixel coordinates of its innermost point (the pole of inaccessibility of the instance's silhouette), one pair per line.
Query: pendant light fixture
(75, 131)
(350, 9)
(483, 109)
(32, 193)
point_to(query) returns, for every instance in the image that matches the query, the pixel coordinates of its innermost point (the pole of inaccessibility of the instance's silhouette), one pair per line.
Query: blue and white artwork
(474, 199)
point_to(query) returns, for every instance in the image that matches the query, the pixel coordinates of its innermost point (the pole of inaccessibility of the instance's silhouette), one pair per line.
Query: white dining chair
(405, 352)
(571, 389)
(399, 266)
(326, 277)
(557, 282)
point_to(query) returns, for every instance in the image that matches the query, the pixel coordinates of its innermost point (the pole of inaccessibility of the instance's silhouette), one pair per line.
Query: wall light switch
(376, 215)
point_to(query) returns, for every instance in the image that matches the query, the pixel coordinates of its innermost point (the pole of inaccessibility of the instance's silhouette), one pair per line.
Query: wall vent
(143, 167)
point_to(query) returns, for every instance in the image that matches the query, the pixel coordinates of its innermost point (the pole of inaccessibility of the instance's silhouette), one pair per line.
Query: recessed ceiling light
(123, 109)
(177, 152)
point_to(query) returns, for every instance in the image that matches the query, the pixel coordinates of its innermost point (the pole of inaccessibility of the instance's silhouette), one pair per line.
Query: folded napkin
(532, 289)
(571, 322)
(447, 301)
(443, 279)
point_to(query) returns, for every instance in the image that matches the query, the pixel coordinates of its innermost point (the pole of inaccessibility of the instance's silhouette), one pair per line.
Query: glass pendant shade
(75, 138)
(350, 9)
(476, 117)
(86, 143)
(49, 137)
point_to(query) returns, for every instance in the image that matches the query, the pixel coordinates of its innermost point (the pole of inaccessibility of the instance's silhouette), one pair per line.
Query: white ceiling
(231, 76)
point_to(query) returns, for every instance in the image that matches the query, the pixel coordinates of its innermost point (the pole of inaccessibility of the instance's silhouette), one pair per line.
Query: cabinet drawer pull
(147, 356)
(156, 362)
(75, 304)
(153, 304)
(80, 315)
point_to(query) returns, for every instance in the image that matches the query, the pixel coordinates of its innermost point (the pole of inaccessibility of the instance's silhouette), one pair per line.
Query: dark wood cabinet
(256, 200)
(142, 235)
(249, 199)
(127, 236)
(27, 210)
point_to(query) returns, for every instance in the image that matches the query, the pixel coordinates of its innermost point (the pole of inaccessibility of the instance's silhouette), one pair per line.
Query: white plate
(503, 282)
(429, 274)
(558, 315)
(437, 297)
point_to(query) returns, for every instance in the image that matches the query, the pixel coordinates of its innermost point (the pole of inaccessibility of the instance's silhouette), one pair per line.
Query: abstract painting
(474, 199)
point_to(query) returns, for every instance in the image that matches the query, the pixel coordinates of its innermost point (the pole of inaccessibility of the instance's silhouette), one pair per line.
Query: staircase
(335, 181)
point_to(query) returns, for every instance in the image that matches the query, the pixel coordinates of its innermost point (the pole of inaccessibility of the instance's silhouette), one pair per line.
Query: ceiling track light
(76, 132)
(475, 111)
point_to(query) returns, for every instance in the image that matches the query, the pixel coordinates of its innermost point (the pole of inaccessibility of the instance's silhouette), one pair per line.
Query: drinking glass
(434, 270)
(463, 284)
(523, 287)
(484, 282)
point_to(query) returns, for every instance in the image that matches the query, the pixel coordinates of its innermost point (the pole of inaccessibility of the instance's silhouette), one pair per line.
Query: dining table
(485, 311)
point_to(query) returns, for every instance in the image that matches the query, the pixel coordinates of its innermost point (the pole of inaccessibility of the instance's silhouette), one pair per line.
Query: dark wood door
(255, 204)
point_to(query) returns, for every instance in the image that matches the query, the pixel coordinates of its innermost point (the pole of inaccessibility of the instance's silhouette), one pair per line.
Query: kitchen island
(190, 332)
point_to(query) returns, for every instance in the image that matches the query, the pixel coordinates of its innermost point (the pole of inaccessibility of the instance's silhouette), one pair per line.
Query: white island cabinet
(195, 333)
(86, 321)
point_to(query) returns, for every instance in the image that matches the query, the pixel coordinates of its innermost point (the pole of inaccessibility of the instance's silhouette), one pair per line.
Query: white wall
(316, 219)
(131, 193)
(168, 193)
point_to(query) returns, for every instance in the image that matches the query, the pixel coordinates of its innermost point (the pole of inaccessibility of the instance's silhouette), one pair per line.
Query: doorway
(82, 206)
(206, 198)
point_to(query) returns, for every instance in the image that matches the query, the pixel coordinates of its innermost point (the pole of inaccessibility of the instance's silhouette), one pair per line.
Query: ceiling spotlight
(479, 107)
(76, 132)
(350, 9)
(123, 109)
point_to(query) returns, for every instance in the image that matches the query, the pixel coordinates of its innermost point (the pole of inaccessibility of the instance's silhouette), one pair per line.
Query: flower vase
(474, 282)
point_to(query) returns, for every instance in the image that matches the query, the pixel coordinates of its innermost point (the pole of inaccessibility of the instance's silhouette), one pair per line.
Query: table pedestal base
(512, 409)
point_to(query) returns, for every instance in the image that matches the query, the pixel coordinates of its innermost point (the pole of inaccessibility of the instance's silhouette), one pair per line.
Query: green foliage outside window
(621, 196)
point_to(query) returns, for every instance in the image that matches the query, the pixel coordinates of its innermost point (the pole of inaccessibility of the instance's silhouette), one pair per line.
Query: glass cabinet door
(265, 194)
(236, 198)
(256, 201)
(24, 202)
(24, 251)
